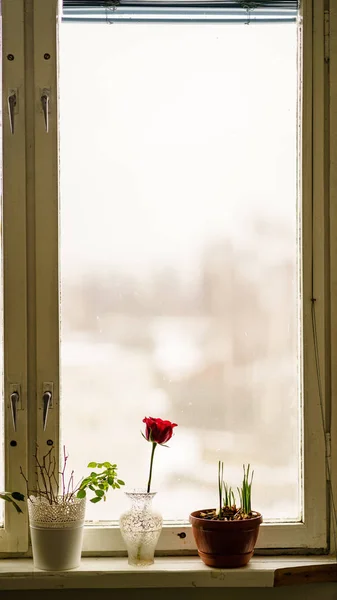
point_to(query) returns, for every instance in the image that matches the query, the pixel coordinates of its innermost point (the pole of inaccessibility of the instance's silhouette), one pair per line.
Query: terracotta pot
(225, 544)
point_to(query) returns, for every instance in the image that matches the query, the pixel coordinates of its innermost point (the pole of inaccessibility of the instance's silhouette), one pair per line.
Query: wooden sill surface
(171, 572)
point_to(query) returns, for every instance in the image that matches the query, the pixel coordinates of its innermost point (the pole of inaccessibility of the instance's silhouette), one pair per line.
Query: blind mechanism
(230, 11)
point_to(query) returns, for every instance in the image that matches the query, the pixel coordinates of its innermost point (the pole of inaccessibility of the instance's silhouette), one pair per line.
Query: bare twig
(41, 471)
(71, 483)
(65, 458)
(47, 482)
(26, 481)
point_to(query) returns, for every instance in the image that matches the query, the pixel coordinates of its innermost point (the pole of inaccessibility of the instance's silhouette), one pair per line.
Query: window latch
(45, 107)
(14, 401)
(12, 102)
(47, 397)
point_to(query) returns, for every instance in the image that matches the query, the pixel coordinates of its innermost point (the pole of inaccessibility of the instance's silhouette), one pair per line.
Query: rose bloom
(158, 431)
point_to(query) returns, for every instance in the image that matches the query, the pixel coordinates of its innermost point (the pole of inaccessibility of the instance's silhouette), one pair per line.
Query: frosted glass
(179, 281)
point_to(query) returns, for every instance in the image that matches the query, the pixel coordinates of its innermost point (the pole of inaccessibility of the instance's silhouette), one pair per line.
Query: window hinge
(326, 36)
(328, 454)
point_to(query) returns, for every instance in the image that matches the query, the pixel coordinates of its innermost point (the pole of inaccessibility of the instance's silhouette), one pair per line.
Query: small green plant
(58, 488)
(99, 483)
(227, 509)
(229, 498)
(245, 492)
(220, 487)
(226, 494)
(13, 498)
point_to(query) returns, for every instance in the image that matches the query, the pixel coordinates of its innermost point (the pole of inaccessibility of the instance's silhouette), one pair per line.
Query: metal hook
(46, 405)
(15, 399)
(11, 109)
(45, 108)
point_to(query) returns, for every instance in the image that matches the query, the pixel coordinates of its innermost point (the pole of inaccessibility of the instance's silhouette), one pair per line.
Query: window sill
(171, 572)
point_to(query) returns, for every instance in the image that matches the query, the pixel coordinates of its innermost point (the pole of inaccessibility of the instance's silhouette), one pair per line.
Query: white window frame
(46, 221)
(331, 66)
(14, 534)
(306, 536)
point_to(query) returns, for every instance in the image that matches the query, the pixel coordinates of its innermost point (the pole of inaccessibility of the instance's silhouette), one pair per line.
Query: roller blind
(239, 11)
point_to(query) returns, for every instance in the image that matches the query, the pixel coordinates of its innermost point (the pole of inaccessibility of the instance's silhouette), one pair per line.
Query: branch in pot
(48, 480)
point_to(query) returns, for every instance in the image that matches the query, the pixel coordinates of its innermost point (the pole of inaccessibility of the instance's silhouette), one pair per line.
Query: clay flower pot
(225, 544)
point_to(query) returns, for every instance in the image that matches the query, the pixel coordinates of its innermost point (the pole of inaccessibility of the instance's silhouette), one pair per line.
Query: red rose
(158, 431)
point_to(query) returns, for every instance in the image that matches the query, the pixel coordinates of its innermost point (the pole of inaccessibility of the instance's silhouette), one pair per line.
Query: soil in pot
(227, 542)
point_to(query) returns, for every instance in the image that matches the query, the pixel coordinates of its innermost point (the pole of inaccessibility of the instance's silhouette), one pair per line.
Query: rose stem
(154, 444)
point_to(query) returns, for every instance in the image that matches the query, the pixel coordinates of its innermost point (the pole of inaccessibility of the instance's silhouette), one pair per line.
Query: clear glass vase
(140, 527)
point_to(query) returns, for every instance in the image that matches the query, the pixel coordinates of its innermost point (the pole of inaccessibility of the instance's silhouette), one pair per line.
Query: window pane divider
(314, 273)
(46, 224)
(14, 535)
(332, 124)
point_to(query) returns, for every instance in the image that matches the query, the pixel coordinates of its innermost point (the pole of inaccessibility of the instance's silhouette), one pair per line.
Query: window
(176, 279)
(183, 296)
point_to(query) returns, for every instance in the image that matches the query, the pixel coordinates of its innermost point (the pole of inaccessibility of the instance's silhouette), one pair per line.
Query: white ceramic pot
(56, 532)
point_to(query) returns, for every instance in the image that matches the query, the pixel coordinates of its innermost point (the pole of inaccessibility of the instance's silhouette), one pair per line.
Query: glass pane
(179, 258)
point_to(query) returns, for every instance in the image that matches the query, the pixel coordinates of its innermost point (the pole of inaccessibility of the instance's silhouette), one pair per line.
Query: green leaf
(110, 480)
(107, 465)
(94, 500)
(93, 474)
(92, 465)
(18, 496)
(8, 498)
(99, 493)
(120, 482)
(81, 493)
(99, 465)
